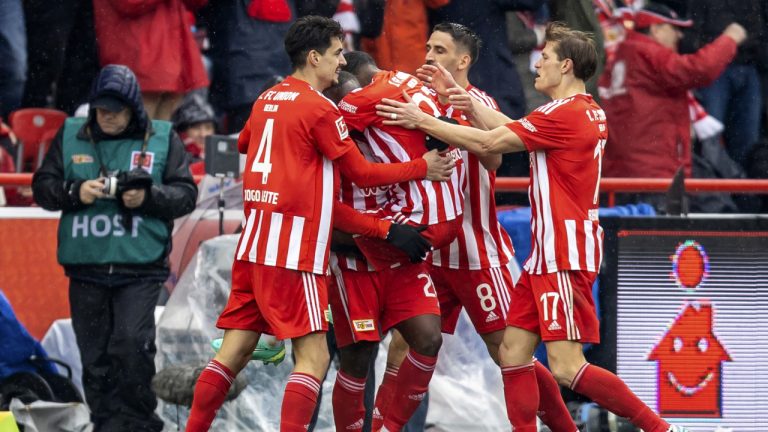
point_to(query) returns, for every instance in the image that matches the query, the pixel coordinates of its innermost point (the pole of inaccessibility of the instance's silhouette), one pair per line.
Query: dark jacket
(711, 17)
(494, 71)
(245, 52)
(173, 198)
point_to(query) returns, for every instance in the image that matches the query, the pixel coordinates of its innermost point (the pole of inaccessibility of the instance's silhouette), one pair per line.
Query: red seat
(35, 128)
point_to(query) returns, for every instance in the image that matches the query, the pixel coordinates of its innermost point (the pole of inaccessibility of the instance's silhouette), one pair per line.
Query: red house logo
(689, 369)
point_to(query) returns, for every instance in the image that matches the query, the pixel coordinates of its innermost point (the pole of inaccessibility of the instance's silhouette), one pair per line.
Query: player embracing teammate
(565, 140)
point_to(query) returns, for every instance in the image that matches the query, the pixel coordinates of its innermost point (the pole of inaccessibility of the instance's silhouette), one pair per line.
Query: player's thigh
(242, 311)
(523, 312)
(355, 306)
(517, 346)
(565, 305)
(406, 292)
(450, 305)
(486, 296)
(292, 302)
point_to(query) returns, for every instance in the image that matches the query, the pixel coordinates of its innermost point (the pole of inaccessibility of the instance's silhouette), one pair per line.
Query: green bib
(95, 234)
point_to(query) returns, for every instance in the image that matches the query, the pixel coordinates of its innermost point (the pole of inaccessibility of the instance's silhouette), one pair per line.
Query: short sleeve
(359, 110)
(540, 131)
(331, 135)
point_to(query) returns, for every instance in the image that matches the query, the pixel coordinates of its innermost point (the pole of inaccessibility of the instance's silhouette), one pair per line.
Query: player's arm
(350, 221)
(480, 142)
(404, 237)
(480, 115)
(364, 173)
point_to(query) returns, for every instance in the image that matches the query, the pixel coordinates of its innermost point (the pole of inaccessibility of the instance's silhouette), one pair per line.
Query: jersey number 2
(261, 162)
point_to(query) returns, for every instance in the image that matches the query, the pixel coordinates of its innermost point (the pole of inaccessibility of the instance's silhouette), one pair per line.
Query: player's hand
(91, 189)
(437, 78)
(404, 114)
(462, 101)
(133, 198)
(439, 167)
(736, 32)
(407, 239)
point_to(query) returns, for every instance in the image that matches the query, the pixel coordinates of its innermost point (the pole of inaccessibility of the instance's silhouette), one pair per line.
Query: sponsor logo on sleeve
(528, 125)
(342, 128)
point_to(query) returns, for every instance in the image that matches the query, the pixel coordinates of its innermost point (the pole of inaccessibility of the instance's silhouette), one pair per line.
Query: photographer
(120, 180)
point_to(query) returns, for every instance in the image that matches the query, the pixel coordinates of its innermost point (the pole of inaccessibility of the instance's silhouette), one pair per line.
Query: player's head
(314, 43)
(347, 83)
(362, 66)
(567, 55)
(454, 46)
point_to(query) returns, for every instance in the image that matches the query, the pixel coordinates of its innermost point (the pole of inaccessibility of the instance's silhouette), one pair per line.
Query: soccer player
(472, 271)
(296, 141)
(386, 291)
(552, 300)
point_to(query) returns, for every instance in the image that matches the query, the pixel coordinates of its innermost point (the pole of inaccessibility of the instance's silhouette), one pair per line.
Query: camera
(115, 183)
(110, 186)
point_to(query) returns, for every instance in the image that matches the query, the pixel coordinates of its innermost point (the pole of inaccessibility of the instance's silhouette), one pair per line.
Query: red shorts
(366, 305)
(274, 300)
(484, 293)
(382, 255)
(557, 306)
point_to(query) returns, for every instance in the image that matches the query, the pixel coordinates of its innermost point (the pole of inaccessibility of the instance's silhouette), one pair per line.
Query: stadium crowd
(703, 110)
(680, 85)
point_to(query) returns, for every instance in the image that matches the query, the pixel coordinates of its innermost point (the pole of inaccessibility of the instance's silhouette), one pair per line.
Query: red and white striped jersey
(482, 242)
(565, 140)
(422, 202)
(289, 184)
(365, 200)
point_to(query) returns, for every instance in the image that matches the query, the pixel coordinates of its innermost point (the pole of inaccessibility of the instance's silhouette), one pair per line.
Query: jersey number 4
(261, 162)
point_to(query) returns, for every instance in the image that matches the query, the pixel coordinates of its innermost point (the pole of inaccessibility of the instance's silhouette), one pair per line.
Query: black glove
(407, 239)
(136, 178)
(433, 143)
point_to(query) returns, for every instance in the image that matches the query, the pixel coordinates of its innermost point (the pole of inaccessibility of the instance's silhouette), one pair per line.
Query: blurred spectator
(62, 59)
(13, 52)
(495, 70)
(400, 46)
(154, 39)
(346, 16)
(525, 32)
(735, 97)
(193, 120)
(246, 52)
(644, 94)
(580, 15)
(119, 180)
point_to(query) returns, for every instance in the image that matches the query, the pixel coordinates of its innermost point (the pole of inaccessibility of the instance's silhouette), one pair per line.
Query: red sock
(348, 409)
(412, 384)
(299, 402)
(384, 396)
(611, 393)
(522, 396)
(552, 409)
(210, 391)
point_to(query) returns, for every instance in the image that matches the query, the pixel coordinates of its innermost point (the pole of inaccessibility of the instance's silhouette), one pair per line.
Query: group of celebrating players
(381, 203)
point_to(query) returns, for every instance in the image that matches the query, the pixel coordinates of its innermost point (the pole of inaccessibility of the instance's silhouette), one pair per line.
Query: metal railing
(610, 186)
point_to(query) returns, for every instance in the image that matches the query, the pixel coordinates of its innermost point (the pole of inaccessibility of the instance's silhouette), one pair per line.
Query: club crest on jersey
(82, 159)
(149, 159)
(342, 128)
(365, 325)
